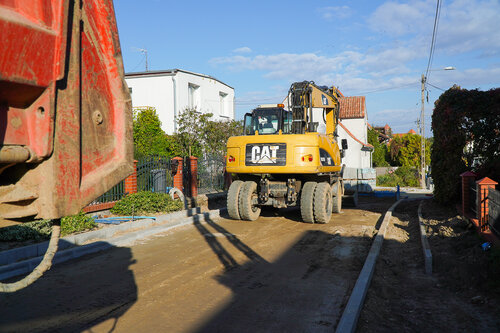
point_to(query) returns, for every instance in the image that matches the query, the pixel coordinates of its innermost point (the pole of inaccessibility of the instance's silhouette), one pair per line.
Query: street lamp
(422, 126)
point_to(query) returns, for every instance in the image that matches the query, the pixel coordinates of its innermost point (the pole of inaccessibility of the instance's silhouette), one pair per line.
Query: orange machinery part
(65, 109)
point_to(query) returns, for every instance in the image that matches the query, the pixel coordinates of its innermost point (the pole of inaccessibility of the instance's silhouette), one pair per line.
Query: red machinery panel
(65, 110)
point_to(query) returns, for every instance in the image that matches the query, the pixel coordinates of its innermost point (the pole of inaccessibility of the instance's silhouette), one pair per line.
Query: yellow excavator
(282, 160)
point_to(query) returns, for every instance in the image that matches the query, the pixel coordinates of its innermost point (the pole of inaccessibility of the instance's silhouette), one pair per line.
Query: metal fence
(211, 174)
(116, 193)
(473, 196)
(154, 174)
(494, 210)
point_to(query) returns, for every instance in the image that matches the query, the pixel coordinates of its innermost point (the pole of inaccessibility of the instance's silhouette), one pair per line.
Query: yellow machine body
(302, 154)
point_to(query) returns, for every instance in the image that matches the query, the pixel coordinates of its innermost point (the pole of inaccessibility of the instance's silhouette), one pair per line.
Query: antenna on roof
(145, 52)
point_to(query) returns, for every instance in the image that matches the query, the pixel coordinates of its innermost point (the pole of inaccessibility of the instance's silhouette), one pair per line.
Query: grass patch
(146, 202)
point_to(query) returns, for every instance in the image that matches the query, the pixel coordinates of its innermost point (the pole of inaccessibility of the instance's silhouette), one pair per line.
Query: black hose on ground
(44, 265)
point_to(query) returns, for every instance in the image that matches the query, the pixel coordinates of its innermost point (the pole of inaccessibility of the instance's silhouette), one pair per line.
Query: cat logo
(264, 154)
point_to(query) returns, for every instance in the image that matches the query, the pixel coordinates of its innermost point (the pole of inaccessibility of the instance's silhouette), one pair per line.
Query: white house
(353, 127)
(172, 91)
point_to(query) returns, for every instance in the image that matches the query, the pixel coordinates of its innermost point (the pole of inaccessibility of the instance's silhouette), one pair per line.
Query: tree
(466, 126)
(199, 135)
(149, 138)
(406, 150)
(379, 149)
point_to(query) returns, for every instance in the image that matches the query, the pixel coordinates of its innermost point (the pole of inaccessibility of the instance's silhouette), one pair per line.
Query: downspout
(174, 82)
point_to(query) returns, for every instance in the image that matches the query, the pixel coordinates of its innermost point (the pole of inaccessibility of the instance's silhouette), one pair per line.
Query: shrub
(409, 176)
(403, 176)
(76, 223)
(41, 230)
(146, 202)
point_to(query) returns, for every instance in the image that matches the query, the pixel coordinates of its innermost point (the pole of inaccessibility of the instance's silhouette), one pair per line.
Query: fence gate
(494, 210)
(211, 174)
(154, 174)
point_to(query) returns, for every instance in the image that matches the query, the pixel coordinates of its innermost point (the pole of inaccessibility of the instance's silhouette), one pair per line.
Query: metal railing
(494, 210)
(154, 174)
(116, 193)
(211, 174)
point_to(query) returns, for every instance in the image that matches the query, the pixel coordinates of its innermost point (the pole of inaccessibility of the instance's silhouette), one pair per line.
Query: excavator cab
(268, 120)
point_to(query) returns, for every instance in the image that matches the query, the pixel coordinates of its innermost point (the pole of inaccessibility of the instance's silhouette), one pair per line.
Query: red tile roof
(352, 107)
(403, 134)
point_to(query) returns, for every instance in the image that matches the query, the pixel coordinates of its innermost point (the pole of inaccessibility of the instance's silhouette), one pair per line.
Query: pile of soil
(463, 292)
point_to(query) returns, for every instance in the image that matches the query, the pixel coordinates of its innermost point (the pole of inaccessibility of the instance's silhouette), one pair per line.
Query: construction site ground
(273, 274)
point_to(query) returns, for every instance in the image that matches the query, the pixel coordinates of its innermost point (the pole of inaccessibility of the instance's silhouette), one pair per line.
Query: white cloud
(244, 49)
(397, 19)
(463, 26)
(470, 25)
(335, 12)
(352, 70)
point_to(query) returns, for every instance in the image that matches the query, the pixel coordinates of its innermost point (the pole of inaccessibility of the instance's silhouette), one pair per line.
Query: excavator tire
(248, 211)
(337, 197)
(307, 202)
(233, 199)
(322, 203)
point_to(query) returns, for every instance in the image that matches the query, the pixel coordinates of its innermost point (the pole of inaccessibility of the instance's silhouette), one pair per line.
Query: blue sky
(374, 48)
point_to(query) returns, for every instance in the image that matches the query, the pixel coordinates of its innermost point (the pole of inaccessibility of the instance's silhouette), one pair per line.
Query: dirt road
(274, 274)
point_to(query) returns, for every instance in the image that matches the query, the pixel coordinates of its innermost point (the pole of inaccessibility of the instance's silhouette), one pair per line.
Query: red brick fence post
(178, 175)
(193, 167)
(130, 183)
(483, 187)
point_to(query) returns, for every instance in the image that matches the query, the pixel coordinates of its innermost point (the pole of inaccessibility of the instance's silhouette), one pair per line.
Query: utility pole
(422, 133)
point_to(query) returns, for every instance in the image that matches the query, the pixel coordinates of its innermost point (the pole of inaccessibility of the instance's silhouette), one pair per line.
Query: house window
(223, 103)
(130, 90)
(193, 96)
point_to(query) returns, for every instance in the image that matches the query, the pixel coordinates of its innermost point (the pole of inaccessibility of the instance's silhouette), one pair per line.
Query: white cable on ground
(173, 191)
(44, 265)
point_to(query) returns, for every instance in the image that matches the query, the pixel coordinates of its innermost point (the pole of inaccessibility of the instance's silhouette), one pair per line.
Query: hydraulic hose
(44, 265)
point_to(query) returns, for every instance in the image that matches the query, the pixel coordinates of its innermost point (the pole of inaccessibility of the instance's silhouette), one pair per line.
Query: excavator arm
(303, 97)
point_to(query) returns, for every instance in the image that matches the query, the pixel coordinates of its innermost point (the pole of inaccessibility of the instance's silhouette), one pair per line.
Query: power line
(435, 86)
(385, 89)
(434, 37)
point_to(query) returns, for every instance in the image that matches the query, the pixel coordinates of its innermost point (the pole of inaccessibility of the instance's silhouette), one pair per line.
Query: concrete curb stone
(24, 259)
(425, 242)
(349, 319)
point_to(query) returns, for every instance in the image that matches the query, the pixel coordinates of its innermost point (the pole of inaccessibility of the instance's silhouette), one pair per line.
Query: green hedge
(146, 202)
(466, 127)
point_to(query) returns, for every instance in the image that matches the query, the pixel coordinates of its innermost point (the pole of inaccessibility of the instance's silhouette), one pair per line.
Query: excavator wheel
(337, 197)
(248, 193)
(233, 199)
(322, 203)
(307, 201)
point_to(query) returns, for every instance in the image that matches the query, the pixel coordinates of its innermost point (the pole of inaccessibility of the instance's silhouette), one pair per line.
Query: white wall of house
(355, 156)
(173, 91)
